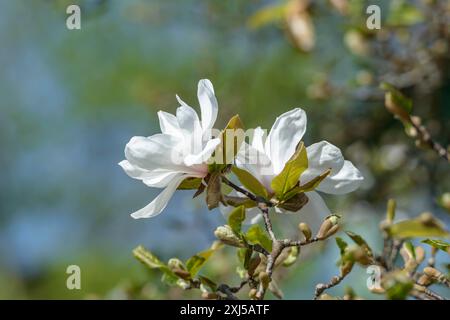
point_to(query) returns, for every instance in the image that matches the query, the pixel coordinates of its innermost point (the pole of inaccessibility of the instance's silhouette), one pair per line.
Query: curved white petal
(252, 215)
(208, 103)
(315, 206)
(321, 157)
(169, 124)
(258, 139)
(160, 178)
(348, 179)
(187, 119)
(160, 202)
(133, 171)
(156, 152)
(204, 155)
(286, 133)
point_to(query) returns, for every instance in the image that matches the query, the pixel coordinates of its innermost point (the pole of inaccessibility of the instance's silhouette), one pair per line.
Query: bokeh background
(70, 101)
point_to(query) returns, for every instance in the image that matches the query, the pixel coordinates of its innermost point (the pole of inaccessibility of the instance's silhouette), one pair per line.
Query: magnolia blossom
(266, 159)
(180, 151)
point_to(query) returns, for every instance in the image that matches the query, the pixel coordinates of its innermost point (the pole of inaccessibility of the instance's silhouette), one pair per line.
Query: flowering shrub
(271, 175)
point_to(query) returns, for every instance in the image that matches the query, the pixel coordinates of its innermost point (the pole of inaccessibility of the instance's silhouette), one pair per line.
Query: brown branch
(321, 287)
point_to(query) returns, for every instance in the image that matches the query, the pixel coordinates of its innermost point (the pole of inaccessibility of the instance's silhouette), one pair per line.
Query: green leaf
(147, 258)
(423, 226)
(438, 244)
(239, 201)
(314, 183)
(256, 235)
(360, 242)
(190, 183)
(194, 264)
(250, 182)
(235, 219)
(391, 207)
(244, 255)
(290, 175)
(342, 245)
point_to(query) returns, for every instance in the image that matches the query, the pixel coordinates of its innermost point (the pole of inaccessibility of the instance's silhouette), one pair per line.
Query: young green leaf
(250, 182)
(147, 258)
(422, 226)
(342, 245)
(290, 175)
(360, 242)
(314, 183)
(438, 244)
(235, 219)
(194, 263)
(292, 256)
(232, 138)
(256, 235)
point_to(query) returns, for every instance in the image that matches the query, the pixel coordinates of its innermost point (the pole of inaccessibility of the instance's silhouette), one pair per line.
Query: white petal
(252, 215)
(133, 171)
(208, 103)
(257, 139)
(160, 202)
(204, 155)
(315, 206)
(156, 152)
(169, 123)
(286, 133)
(348, 179)
(187, 119)
(160, 178)
(321, 157)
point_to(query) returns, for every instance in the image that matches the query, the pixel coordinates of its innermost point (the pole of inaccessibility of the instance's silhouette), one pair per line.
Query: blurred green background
(71, 100)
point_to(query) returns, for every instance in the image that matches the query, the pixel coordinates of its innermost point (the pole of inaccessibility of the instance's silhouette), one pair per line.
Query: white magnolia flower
(165, 159)
(266, 159)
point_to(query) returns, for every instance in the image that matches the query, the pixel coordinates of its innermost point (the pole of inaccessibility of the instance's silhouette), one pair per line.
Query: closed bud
(209, 295)
(432, 272)
(175, 263)
(264, 279)
(328, 227)
(252, 293)
(227, 236)
(306, 230)
(393, 107)
(424, 280)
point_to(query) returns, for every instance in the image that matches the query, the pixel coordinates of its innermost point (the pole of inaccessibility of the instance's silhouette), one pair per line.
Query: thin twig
(321, 287)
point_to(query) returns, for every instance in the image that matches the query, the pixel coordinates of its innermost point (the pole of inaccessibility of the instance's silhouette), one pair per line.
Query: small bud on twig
(305, 230)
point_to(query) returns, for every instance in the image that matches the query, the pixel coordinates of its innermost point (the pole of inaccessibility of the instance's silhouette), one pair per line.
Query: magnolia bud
(328, 227)
(264, 279)
(175, 263)
(209, 295)
(252, 293)
(424, 280)
(305, 229)
(432, 272)
(394, 108)
(227, 236)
